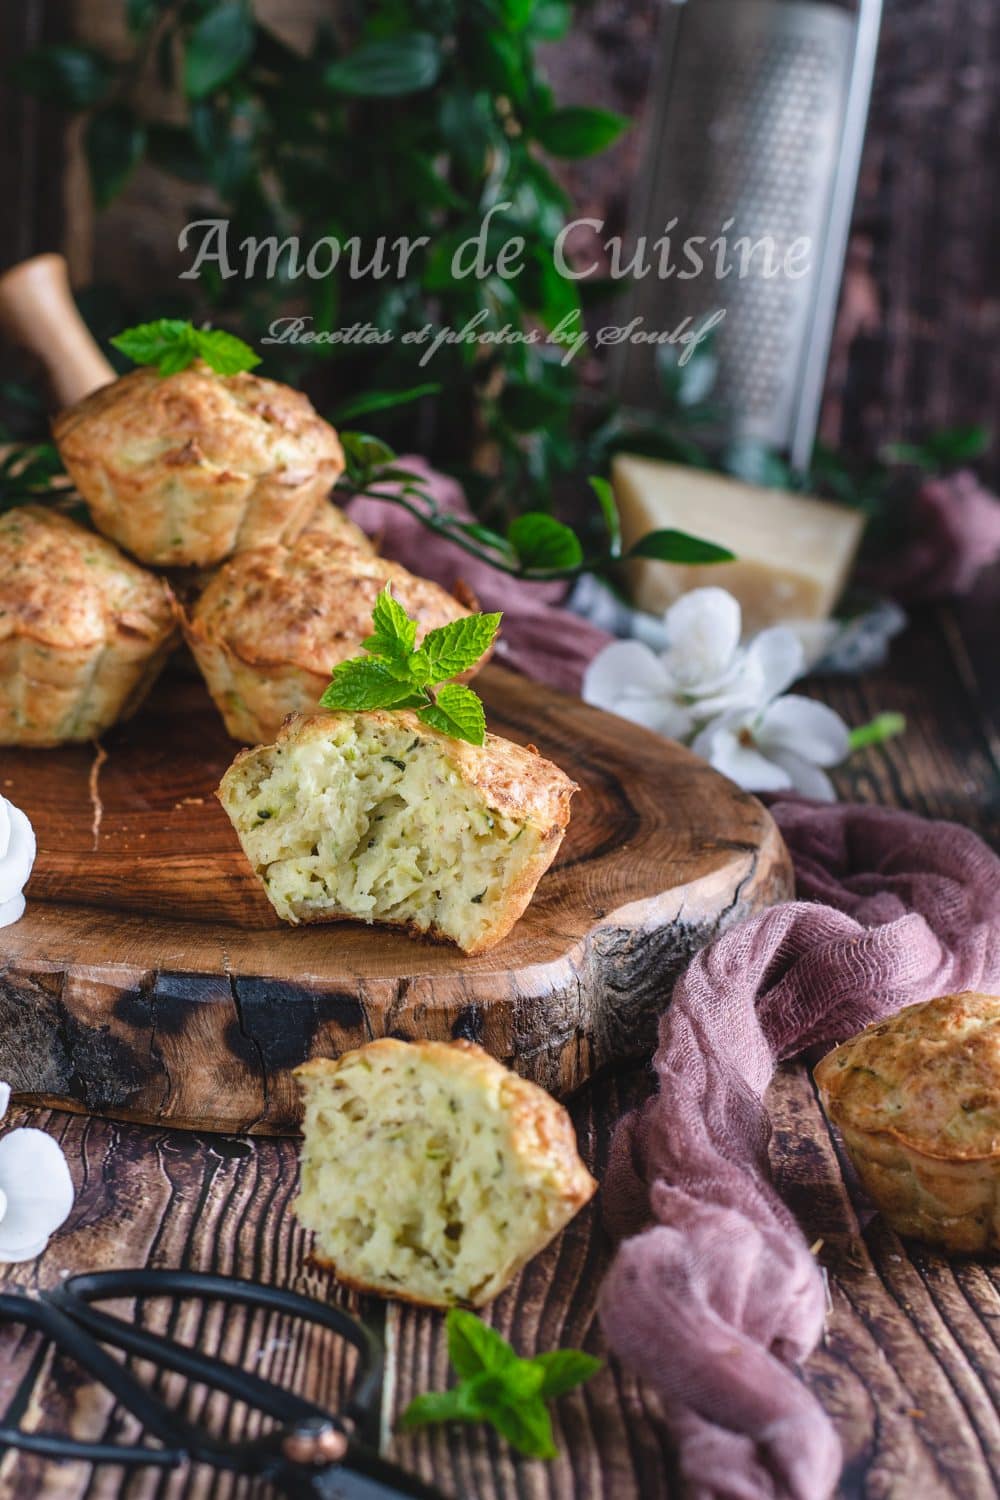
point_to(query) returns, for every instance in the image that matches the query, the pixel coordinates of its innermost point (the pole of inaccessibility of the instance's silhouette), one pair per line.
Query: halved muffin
(183, 470)
(84, 630)
(377, 817)
(917, 1100)
(431, 1172)
(273, 623)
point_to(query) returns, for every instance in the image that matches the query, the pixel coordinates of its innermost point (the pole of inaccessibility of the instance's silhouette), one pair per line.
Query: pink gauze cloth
(550, 644)
(715, 1297)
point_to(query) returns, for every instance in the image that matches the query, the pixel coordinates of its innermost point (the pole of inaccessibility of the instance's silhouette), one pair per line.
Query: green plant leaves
(609, 509)
(114, 141)
(498, 1387)
(372, 401)
(394, 634)
(543, 543)
(576, 131)
(70, 76)
(679, 547)
(404, 64)
(217, 49)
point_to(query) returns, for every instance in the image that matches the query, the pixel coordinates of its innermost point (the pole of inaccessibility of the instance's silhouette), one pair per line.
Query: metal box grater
(759, 119)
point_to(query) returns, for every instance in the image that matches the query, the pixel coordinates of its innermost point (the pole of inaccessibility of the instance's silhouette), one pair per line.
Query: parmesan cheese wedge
(793, 553)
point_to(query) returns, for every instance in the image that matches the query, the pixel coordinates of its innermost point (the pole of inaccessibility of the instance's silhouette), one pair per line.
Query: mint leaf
(457, 712)
(455, 648)
(362, 684)
(171, 344)
(439, 1406)
(526, 1425)
(679, 547)
(146, 343)
(224, 352)
(563, 1369)
(395, 633)
(473, 1345)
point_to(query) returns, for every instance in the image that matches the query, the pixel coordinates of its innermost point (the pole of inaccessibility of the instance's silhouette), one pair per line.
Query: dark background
(916, 344)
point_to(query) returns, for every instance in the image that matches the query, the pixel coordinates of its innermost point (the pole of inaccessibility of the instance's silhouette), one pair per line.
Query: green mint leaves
(171, 344)
(497, 1386)
(398, 674)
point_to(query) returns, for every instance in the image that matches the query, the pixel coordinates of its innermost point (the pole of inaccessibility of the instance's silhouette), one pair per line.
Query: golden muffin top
(64, 586)
(309, 604)
(929, 1077)
(241, 425)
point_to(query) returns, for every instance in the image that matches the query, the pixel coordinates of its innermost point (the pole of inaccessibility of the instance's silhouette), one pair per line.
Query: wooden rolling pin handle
(38, 311)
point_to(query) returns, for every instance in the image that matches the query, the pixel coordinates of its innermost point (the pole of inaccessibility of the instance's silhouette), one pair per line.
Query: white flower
(704, 672)
(778, 748)
(36, 1191)
(17, 855)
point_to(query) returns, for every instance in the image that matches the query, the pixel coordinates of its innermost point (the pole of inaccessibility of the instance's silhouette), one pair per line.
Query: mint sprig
(171, 344)
(499, 1387)
(396, 673)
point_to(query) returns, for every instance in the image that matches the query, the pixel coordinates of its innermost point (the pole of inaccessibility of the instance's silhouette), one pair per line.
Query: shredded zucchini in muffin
(377, 817)
(431, 1172)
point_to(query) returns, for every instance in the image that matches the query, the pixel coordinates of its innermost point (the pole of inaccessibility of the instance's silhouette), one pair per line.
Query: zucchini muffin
(917, 1100)
(273, 623)
(84, 630)
(183, 470)
(374, 816)
(432, 1173)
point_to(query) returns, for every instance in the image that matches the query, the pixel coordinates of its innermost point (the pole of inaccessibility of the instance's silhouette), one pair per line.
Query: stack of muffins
(223, 479)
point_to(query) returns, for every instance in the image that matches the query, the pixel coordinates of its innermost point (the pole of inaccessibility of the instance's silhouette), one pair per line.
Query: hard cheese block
(793, 554)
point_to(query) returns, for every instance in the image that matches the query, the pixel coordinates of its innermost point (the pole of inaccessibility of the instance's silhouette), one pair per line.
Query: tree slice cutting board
(150, 979)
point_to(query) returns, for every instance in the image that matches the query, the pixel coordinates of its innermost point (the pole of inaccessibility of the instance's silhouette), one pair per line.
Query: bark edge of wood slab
(150, 981)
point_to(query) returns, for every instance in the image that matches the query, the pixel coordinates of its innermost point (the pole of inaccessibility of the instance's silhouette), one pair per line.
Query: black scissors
(311, 1454)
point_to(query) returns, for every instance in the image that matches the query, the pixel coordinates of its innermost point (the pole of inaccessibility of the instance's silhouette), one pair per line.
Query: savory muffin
(917, 1100)
(83, 630)
(432, 1173)
(183, 470)
(273, 623)
(377, 817)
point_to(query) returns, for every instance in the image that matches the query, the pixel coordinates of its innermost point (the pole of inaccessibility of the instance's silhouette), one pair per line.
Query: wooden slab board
(150, 979)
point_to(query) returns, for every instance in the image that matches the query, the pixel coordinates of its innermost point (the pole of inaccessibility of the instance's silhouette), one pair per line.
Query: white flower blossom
(17, 855)
(724, 698)
(36, 1190)
(778, 748)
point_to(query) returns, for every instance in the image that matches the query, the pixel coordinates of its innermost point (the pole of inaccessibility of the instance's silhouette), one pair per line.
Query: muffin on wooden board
(84, 630)
(917, 1100)
(273, 623)
(374, 816)
(183, 470)
(432, 1173)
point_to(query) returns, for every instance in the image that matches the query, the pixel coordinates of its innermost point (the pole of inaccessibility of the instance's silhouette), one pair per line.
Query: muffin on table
(273, 622)
(432, 1173)
(917, 1101)
(183, 470)
(84, 630)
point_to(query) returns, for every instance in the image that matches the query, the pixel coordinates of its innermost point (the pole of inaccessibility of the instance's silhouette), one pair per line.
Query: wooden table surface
(909, 1368)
